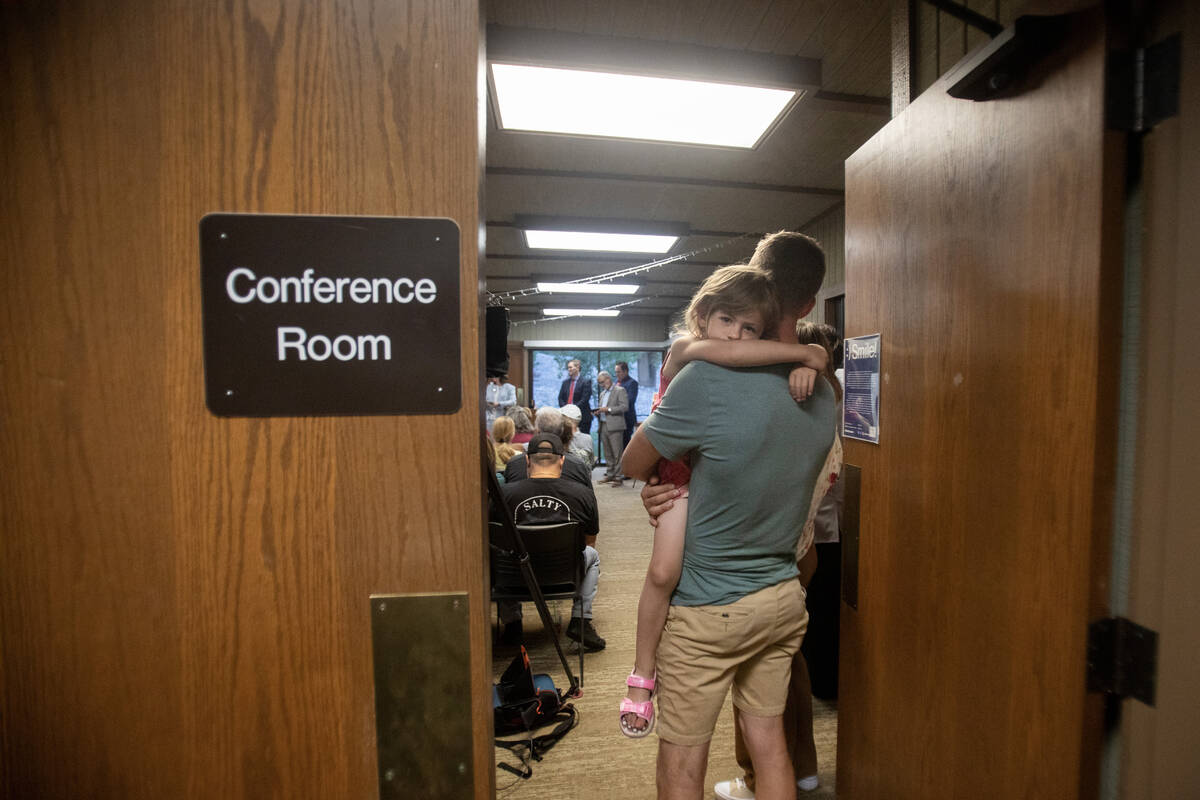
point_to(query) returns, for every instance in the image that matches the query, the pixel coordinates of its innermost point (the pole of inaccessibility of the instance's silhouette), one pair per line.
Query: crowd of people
(740, 457)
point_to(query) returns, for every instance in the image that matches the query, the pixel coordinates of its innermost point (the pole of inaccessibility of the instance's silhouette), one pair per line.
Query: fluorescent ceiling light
(590, 240)
(571, 101)
(580, 312)
(589, 288)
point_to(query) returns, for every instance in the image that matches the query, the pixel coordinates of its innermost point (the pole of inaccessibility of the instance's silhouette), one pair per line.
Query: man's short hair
(622, 366)
(544, 449)
(576, 362)
(796, 262)
(549, 420)
(603, 374)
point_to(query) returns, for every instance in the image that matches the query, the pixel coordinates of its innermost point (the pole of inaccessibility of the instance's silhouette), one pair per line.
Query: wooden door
(983, 243)
(184, 599)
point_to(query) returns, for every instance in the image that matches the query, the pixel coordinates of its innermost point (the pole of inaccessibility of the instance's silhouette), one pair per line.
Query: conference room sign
(330, 315)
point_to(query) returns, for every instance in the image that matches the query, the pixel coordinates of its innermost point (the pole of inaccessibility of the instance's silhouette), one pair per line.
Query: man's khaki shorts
(749, 643)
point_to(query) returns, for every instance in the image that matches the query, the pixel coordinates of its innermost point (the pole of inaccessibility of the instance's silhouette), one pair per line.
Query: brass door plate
(422, 654)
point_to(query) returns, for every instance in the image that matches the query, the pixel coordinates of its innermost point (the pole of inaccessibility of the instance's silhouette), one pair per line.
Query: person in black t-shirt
(545, 497)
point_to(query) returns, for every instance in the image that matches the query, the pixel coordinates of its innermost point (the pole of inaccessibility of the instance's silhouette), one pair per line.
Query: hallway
(595, 760)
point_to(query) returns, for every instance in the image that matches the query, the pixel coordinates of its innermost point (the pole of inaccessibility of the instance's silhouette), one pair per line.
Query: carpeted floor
(594, 760)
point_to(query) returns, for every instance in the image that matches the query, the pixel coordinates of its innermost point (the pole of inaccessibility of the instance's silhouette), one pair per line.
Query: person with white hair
(580, 443)
(550, 420)
(611, 414)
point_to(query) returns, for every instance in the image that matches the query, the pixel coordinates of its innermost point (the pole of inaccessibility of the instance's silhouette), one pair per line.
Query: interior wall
(1160, 742)
(626, 328)
(184, 598)
(829, 230)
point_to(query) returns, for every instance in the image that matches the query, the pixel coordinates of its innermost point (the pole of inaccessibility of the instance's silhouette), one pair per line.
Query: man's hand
(658, 498)
(800, 383)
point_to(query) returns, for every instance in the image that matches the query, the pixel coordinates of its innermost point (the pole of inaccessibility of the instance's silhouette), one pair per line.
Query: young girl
(726, 320)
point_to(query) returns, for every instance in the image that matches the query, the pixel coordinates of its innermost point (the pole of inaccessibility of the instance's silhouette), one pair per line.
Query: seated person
(550, 420)
(503, 432)
(521, 420)
(580, 443)
(490, 456)
(546, 496)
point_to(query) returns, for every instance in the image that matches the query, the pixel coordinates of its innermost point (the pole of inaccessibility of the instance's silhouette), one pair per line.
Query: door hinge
(1143, 85)
(1122, 659)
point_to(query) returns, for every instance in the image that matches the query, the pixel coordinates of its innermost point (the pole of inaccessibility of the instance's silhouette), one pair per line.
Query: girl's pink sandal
(643, 710)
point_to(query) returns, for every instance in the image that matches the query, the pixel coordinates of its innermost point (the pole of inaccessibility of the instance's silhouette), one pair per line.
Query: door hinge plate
(1143, 85)
(1122, 659)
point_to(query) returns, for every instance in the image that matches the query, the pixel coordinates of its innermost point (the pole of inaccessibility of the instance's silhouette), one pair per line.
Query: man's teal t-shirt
(756, 454)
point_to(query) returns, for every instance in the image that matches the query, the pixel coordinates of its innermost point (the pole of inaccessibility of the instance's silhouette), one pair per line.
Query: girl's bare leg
(666, 562)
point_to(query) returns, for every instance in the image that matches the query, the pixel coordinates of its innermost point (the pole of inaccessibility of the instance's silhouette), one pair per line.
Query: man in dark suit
(631, 389)
(577, 390)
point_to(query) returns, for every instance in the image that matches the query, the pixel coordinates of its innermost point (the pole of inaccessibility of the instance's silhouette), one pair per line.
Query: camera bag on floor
(522, 702)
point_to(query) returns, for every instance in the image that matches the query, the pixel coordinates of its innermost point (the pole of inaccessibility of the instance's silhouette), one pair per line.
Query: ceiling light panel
(595, 241)
(589, 288)
(612, 105)
(580, 312)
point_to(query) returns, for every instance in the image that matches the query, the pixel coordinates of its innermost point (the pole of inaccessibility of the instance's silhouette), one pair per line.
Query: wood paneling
(183, 599)
(982, 254)
(1159, 742)
(829, 230)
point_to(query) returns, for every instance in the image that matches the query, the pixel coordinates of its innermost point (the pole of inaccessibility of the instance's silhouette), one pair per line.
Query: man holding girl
(736, 614)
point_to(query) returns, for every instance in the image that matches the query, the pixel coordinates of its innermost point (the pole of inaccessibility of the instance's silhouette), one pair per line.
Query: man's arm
(631, 392)
(640, 457)
(658, 498)
(562, 392)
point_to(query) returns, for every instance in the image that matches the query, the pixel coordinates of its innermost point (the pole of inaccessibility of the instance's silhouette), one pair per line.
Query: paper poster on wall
(325, 315)
(860, 411)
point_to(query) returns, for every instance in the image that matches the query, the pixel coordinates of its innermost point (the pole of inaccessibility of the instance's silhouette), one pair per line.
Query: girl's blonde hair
(503, 430)
(736, 290)
(827, 337)
(504, 454)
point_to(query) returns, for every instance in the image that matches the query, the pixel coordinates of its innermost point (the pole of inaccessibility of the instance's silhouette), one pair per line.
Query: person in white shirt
(500, 396)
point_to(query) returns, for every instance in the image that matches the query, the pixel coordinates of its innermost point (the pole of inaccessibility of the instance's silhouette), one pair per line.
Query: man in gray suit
(611, 414)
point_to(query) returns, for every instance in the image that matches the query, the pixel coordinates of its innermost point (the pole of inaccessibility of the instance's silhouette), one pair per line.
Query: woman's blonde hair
(736, 290)
(503, 430)
(504, 453)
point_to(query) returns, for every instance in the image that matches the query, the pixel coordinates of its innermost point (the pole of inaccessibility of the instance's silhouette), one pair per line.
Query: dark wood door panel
(184, 599)
(975, 244)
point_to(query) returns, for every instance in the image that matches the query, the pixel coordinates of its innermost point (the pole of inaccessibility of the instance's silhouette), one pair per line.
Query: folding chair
(555, 557)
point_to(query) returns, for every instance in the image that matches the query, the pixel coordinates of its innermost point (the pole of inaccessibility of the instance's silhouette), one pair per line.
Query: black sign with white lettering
(313, 316)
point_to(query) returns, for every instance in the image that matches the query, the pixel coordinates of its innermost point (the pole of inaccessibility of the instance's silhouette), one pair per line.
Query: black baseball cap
(544, 443)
